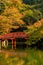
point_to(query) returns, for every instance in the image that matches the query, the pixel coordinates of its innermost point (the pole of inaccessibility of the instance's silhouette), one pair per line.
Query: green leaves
(31, 2)
(2, 7)
(31, 16)
(35, 35)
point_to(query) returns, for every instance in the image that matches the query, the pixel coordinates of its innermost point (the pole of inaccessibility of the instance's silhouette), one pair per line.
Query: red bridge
(13, 37)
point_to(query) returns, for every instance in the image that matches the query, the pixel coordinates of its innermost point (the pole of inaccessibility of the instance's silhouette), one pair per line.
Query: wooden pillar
(0, 44)
(14, 44)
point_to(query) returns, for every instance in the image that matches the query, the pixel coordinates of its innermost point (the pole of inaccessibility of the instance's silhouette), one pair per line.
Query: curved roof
(14, 35)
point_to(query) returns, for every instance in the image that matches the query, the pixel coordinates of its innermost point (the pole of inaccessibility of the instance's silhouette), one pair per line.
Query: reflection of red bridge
(13, 37)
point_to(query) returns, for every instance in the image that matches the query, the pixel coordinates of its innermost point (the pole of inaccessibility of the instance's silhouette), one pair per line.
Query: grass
(27, 57)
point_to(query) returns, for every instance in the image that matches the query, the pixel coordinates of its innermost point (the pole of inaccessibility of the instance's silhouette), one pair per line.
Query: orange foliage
(39, 23)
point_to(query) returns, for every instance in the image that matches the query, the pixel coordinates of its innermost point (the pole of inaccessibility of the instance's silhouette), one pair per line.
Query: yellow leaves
(4, 20)
(10, 11)
(37, 24)
(16, 1)
(15, 27)
(21, 62)
(29, 12)
(4, 23)
(41, 31)
(12, 14)
(30, 27)
(21, 22)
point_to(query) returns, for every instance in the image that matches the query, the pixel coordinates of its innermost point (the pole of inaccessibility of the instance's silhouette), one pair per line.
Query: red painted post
(14, 43)
(0, 44)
